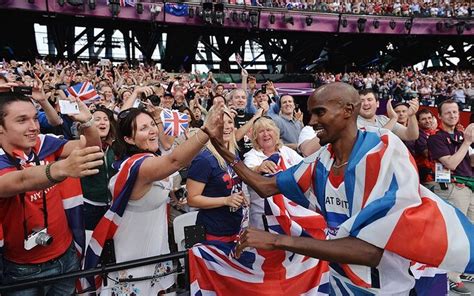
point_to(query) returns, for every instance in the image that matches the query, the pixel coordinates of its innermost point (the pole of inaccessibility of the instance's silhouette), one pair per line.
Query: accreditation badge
(442, 174)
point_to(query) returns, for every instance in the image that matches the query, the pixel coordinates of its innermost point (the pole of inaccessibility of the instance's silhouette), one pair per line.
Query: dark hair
(111, 136)
(286, 95)
(421, 112)
(448, 101)
(364, 92)
(6, 99)
(193, 122)
(127, 127)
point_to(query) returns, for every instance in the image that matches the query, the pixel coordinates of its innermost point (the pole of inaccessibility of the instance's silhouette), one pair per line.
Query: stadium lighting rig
(361, 24)
(376, 24)
(392, 24)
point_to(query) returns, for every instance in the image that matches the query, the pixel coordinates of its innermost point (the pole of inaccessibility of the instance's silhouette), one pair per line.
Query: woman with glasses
(95, 188)
(139, 205)
(268, 156)
(215, 189)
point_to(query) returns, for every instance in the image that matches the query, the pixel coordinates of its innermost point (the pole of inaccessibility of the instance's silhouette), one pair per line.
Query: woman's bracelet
(48, 174)
(234, 162)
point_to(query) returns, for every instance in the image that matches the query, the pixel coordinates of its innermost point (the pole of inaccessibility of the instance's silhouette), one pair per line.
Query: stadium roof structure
(271, 40)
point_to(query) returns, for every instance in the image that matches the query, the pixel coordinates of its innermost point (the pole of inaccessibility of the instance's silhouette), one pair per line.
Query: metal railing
(30, 283)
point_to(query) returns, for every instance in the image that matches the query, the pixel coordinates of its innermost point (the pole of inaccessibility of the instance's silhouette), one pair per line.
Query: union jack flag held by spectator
(85, 91)
(174, 123)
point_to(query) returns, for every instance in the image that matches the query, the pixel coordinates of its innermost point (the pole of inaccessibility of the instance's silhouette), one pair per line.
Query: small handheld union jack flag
(174, 123)
(238, 59)
(85, 91)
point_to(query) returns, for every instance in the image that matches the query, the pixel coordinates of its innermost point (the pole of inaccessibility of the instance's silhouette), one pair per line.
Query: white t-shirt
(392, 270)
(254, 158)
(380, 122)
(307, 133)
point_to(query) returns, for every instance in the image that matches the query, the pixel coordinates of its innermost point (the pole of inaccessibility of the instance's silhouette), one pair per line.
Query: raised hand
(37, 93)
(146, 90)
(469, 134)
(152, 109)
(414, 106)
(390, 112)
(83, 161)
(84, 113)
(214, 125)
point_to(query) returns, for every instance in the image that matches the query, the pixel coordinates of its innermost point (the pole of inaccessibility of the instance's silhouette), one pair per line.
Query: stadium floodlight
(219, 14)
(253, 18)
(191, 12)
(448, 25)
(114, 6)
(392, 24)
(272, 19)
(361, 24)
(139, 8)
(243, 17)
(460, 27)
(288, 19)
(344, 22)
(408, 24)
(91, 4)
(309, 20)
(235, 16)
(376, 23)
(439, 26)
(207, 12)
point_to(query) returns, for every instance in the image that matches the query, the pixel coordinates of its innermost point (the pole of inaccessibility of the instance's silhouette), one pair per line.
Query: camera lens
(44, 239)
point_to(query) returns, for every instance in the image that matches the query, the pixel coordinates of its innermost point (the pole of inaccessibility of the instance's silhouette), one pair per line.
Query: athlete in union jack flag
(366, 186)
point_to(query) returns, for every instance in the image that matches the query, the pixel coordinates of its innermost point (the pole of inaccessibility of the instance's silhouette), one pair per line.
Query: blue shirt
(66, 129)
(219, 183)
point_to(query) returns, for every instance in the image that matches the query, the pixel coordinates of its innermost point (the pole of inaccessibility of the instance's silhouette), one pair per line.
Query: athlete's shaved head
(338, 92)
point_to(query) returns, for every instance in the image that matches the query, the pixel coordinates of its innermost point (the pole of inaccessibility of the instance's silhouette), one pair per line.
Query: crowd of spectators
(431, 87)
(405, 8)
(259, 123)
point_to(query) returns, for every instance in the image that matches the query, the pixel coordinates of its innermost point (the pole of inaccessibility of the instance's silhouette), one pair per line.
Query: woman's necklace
(339, 166)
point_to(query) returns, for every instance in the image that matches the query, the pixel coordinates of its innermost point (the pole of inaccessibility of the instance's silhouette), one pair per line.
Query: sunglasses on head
(263, 116)
(123, 114)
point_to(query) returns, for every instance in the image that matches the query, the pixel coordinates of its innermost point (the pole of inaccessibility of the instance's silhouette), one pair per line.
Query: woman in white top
(142, 178)
(266, 144)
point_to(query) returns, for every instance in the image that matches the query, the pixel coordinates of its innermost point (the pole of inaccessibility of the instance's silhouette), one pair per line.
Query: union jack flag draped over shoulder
(387, 205)
(70, 189)
(85, 91)
(214, 271)
(174, 123)
(107, 226)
